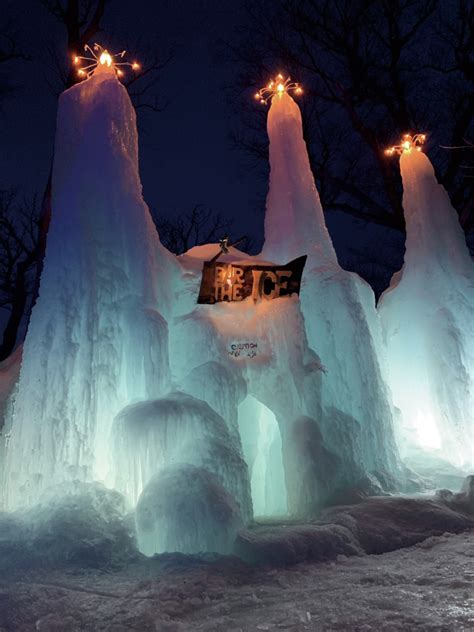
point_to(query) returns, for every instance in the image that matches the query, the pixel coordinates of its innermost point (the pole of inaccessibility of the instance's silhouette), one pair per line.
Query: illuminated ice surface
(338, 306)
(198, 416)
(97, 339)
(427, 315)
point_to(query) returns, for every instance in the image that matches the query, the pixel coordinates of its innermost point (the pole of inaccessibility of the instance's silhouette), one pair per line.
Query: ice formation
(154, 434)
(97, 339)
(205, 415)
(185, 508)
(428, 322)
(338, 306)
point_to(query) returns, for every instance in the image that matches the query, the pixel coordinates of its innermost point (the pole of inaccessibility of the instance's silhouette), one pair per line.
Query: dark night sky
(185, 153)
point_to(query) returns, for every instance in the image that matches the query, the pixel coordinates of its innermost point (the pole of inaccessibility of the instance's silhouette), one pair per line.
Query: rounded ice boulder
(151, 435)
(184, 508)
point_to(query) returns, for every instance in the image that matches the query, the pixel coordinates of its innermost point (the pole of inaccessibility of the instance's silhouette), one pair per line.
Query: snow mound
(184, 508)
(77, 524)
(387, 524)
(178, 428)
(283, 545)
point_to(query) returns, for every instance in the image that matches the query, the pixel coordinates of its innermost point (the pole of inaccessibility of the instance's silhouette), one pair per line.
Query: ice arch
(262, 449)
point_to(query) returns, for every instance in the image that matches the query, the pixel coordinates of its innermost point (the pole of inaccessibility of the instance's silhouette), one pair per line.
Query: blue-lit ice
(339, 307)
(427, 315)
(127, 382)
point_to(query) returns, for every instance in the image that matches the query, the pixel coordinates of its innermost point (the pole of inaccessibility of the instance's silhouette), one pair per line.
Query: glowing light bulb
(106, 59)
(408, 144)
(278, 87)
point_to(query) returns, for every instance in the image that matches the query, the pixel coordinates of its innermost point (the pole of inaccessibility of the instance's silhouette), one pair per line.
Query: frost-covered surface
(173, 430)
(9, 374)
(428, 321)
(185, 508)
(427, 586)
(97, 338)
(338, 307)
(282, 376)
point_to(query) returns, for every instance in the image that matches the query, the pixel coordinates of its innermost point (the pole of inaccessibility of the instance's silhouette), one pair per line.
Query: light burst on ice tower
(102, 60)
(408, 144)
(278, 87)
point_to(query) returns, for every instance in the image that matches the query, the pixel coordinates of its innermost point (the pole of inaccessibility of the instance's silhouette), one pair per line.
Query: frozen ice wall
(97, 339)
(428, 321)
(338, 307)
(251, 358)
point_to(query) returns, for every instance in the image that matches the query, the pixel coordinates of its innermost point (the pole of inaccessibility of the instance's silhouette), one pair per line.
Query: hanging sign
(233, 282)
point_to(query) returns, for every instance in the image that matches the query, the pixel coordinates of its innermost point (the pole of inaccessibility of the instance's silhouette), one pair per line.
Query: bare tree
(200, 226)
(369, 77)
(19, 228)
(10, 53)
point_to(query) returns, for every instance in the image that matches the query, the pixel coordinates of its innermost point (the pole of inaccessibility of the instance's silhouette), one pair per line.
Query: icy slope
(338, 307)
(97, 337)
(428, 321)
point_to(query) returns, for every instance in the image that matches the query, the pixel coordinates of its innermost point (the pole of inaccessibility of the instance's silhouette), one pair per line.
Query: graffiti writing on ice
(232, 282)
(243, 349)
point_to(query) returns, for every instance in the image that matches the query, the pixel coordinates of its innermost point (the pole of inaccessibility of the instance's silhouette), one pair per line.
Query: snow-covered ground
(387, 563)
(429, 586)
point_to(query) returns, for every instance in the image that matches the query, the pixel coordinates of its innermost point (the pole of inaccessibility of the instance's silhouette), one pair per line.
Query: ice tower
(427, 315)
(338, 307)
(97, 339)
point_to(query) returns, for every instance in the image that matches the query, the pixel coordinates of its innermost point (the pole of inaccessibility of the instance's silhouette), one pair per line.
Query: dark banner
(232, 282)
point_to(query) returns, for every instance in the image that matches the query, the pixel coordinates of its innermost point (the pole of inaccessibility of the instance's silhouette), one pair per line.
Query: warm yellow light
(278, 87)
(102, 57)
(106, 59)
(408, 143)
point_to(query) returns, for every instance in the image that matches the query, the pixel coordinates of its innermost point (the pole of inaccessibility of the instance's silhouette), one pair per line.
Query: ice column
(428, 320)
(339, 308)
(97, 339)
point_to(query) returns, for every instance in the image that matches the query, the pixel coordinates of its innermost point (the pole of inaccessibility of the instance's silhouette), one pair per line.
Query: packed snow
(70, 564)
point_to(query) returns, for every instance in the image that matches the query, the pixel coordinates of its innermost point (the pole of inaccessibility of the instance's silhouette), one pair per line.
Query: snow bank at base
(376, 525)
(77, 524)
(184, 508)
(87, 526)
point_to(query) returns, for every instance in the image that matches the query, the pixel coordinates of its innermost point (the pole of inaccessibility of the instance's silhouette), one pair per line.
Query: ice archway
(262, 450)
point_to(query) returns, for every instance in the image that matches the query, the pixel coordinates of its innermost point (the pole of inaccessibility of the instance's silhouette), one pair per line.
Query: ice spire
(428, 320)
(294, 220)
(339, 308)
(96, 341)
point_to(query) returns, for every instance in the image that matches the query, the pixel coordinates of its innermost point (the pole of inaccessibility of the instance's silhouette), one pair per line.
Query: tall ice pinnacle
(96, 341)
(339, 308)
(294, 220)
(428, 321)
